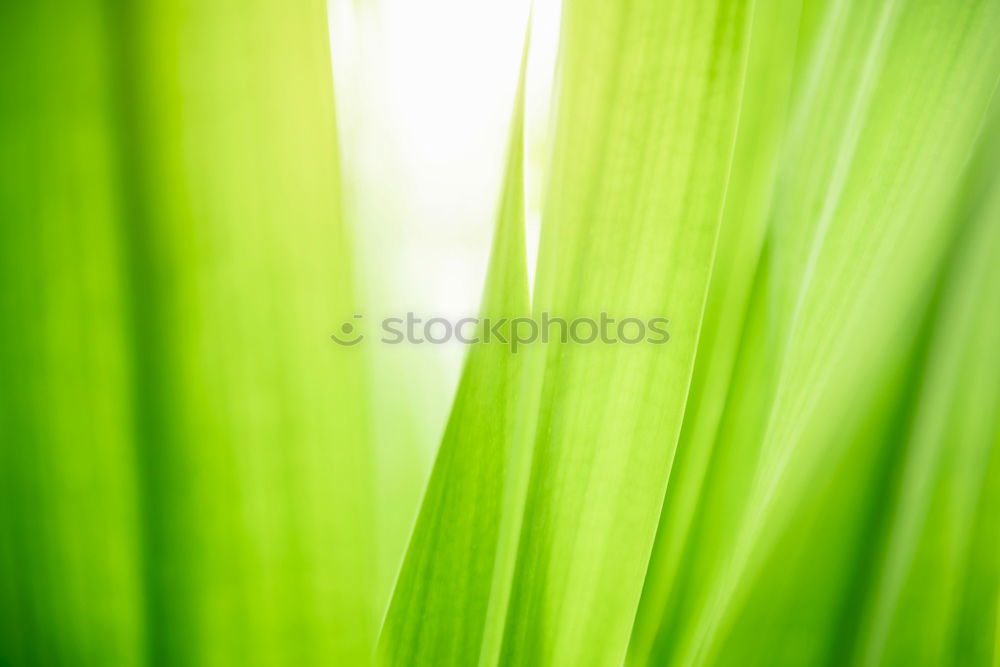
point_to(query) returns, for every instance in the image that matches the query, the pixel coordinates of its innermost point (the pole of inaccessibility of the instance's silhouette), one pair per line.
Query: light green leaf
(871, 163)
(185, 466)
(648, 100)
(439, 604)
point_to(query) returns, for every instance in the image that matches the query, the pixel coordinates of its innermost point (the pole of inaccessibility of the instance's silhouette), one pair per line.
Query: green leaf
(185, 467)
(438, 608)
(859, 223)
(648, 100)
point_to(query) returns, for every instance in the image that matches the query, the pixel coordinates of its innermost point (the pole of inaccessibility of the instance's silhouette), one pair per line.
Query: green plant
(808, 472)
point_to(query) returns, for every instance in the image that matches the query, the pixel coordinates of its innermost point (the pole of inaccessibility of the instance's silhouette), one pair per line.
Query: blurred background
(195, 194)
(192, 473)
(425, 96)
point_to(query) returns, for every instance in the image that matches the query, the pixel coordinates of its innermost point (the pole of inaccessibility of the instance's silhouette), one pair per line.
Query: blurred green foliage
(807, 474)
(184, 473)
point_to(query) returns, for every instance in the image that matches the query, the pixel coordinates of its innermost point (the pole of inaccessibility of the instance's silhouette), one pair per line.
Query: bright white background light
(425, 93)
